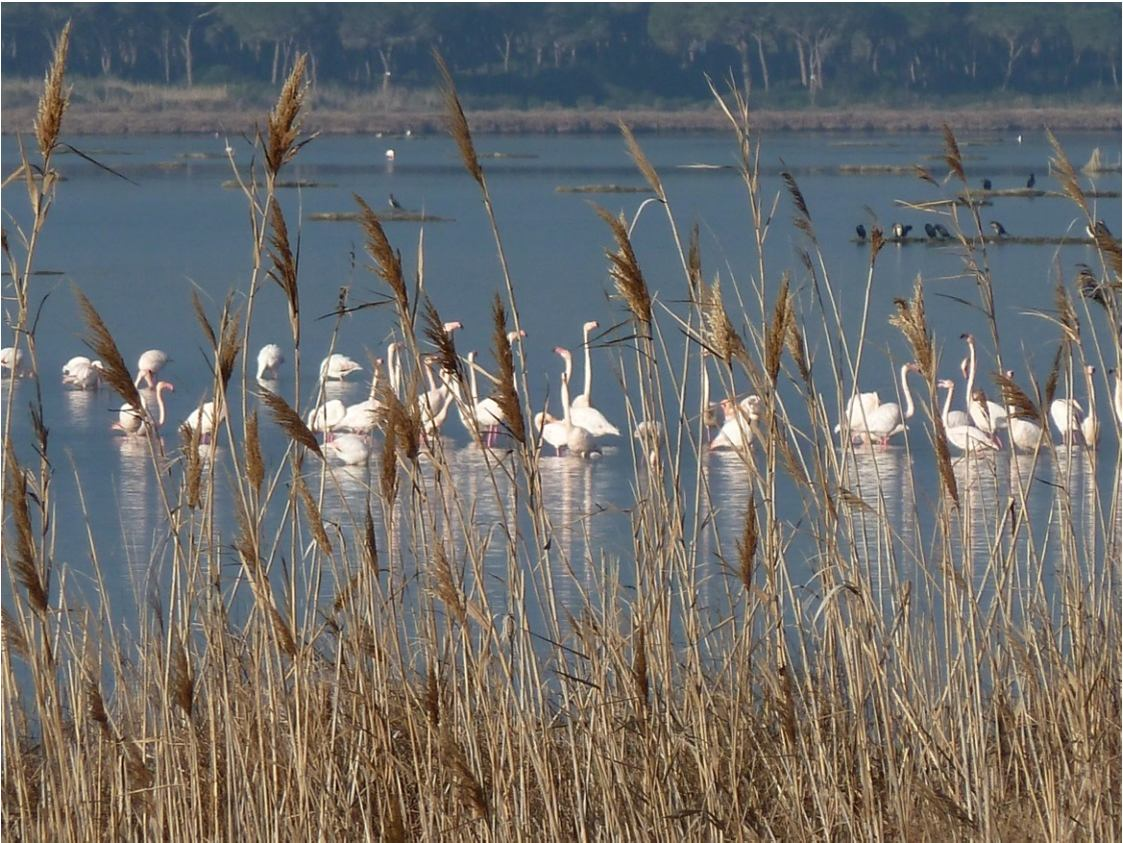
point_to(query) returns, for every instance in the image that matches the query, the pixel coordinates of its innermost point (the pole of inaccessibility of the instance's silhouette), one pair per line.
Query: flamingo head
(970, 339)
(913, 367)
(1091, 370)
(945, 383)
(512, 336)
(449, 327)
(562, 352)
(979, 395)
(1010, 374)
(590, 325)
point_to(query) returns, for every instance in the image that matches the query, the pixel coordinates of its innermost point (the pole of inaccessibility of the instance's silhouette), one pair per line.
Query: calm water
(138, 248)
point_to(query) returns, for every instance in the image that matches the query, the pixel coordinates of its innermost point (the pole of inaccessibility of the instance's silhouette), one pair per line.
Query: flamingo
(11, 360)
(326, 417)
(552, 431)
(1068, 415)
(361, 417)
(961, 418)
(578, 440)
(486, 413)
(132, 420)
(349, 448)
(1025, 435)
(149, 365)
(1090, 425)
(887, 419)
(394, 368)
(585, 398)
(203, 419)
(589, 418)
(269, 359)
(988, 416)
(83, 373)
(649, 434)
(335, 367)
(964, 437)
(740, 423)
(858, 409)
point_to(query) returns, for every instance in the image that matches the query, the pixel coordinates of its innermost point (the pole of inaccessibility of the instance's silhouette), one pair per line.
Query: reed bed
(899, 703)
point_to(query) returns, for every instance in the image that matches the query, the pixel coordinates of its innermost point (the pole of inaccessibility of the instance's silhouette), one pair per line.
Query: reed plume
(442, 340)
(719, 336)
(747, 544)
(952, 156)
(387, 261)
(181, 678)
(1062, 168)
(255, 466)
(54, 99)
(802, 219)
(312, 511)
(24, 562)
(469, 788)
(285, 263)
(388, 472)
(776, 332)
(625, 272)
(101, 343)
(641, 679)
(505, 393)
(642, 164)
(290, 422)
(1017, 403)
(457, 123)
(284, 120)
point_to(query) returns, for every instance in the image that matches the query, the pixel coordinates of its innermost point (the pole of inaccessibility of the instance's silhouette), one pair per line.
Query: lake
(140, 239)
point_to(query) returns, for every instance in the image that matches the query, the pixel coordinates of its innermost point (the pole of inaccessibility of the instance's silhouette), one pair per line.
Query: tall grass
(917, 697)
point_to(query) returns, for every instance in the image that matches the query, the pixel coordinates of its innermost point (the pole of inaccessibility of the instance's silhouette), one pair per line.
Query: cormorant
(999, 228)
(1098, 230)
(986, 184)
(861, 229)
(942, 232)
(900, 232)
(394, 203)
(1091, 287)
(930, 230)
(1032, 181)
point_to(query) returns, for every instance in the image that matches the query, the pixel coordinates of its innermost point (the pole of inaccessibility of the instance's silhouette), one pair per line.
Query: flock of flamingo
(347, 428)
(976, 429)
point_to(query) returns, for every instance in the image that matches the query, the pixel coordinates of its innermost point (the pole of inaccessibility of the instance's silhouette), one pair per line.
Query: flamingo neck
(472, 380)
(588, 368)
(1091, 397)
(970, 374)
(395, 370)
(565, 397)
(160, 404)
(909, 408)
(947, 406)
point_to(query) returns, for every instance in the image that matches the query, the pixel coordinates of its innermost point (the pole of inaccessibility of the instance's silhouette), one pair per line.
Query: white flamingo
(858, 409)
(1025, 435)
(586, 397)
(590, 418)
(326, 417)
(335, 367)
(988, 416)
(481, 418)
(964, 437)
(348, 448)
(1068, 416)
(133, 421)
(269, 360)
(1090, 425)
(553, 431)
(578, 440)
(204, 419)
(887, 419)
(149, 366)
(11, 361)
(362, 417)
(961, 418)
(740, 423)
(83, 373)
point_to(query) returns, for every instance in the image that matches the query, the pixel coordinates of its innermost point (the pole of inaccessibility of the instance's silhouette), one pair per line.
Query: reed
(342, 666)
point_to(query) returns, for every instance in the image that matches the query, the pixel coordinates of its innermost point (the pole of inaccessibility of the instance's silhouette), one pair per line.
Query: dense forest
(656, 54)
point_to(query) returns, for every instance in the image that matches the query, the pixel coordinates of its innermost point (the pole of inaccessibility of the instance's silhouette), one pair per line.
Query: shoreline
(86, 119)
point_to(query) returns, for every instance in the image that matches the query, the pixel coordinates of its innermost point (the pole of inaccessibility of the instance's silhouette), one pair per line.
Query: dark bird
(861, 229)
(1093, 288)
(986, 184)
(1099, 230)
(900, 232)
(930, 230)
(942, 232)
(394, 203)
(999, 228)
(1032, 181)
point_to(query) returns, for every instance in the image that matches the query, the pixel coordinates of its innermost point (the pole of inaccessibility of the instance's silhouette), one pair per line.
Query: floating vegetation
(232, 184)
(704, 166)
(392, 216)
(1005, 240)
(601, 188)
(202, 156)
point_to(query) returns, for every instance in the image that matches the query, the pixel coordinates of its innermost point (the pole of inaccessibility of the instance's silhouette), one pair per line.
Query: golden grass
(910, 690)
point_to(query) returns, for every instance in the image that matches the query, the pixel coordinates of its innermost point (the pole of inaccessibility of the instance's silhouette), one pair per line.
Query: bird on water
(999, 228)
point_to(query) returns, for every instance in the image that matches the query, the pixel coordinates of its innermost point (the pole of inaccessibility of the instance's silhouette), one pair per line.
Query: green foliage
(598, 54)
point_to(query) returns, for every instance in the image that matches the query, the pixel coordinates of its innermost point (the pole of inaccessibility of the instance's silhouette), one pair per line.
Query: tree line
(655, 54)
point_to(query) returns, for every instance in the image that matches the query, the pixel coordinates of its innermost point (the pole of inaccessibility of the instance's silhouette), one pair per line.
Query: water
(139, 247)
